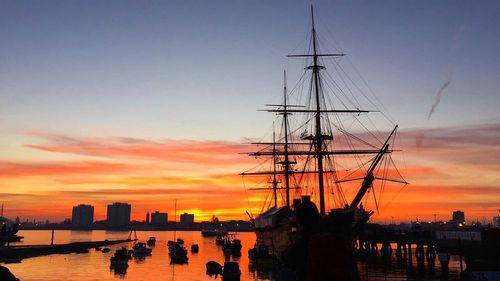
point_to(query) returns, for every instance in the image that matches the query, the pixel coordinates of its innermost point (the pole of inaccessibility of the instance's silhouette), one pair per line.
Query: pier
(17, 253)
(477, 249)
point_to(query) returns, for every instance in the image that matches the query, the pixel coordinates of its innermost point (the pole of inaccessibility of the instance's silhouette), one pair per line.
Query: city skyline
(109, 102)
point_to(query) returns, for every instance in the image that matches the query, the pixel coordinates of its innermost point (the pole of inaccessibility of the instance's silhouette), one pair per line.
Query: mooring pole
(460, 255)
(52, 238)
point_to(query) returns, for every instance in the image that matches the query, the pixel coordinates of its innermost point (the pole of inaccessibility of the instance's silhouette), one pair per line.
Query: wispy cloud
(439, 95)
(180, 151)
(455, 166)
(26, 169)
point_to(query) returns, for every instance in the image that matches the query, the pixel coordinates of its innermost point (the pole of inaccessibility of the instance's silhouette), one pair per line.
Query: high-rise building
(82, 217)
(147, 217)
(458, 217)
(158, 218)
(118, 215)
(187, 218)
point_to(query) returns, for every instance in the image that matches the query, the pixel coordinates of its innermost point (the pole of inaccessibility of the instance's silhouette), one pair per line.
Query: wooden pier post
(52, 238)
(398, 250)
(460, 255)
(444, 259)
(386, 251)
(409, 254)
(430, 255)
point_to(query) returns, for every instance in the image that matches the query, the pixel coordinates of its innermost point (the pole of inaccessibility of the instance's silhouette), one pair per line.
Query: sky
(150, 101)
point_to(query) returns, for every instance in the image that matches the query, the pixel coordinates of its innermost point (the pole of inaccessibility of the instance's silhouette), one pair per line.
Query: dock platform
(29, 251)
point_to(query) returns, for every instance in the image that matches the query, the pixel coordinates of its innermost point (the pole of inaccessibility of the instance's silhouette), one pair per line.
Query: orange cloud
(178, 151)
(16, 169)
(449, 168)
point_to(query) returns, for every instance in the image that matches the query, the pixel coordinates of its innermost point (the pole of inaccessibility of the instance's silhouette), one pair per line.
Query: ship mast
(318, 138)
(275, 182)
(286, 162)
(319, 135)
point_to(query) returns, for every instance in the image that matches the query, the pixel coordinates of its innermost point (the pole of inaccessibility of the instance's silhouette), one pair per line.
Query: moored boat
(140, 248)
(231, 271)
(151, 241)
(195, 248)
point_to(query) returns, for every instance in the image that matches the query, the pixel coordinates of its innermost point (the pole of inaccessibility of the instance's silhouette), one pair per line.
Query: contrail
(438, 96)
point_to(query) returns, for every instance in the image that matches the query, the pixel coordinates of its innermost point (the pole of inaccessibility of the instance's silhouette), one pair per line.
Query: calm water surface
(95, 265)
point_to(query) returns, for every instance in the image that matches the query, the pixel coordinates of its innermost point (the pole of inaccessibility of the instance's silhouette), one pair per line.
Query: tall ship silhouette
(326, 148)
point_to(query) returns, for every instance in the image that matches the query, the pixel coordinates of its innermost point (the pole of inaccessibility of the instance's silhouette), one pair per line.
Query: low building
(187, 219)
(82, 217)
(158, 218)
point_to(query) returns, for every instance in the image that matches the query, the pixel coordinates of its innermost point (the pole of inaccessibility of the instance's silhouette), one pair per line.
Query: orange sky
(448, 168)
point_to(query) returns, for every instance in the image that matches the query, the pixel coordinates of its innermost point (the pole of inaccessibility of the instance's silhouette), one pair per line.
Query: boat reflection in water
(95, 265)
(119, 261)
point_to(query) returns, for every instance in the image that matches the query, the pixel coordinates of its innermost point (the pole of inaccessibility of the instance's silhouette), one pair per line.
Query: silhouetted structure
(6, 275)
(147, 218)
(82, 217)
(158, 218)
(458, 217)
(187, 219)
(496, 222)
(118, 215)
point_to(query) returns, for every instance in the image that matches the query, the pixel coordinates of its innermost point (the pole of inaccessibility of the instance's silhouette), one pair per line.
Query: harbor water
(95, 265)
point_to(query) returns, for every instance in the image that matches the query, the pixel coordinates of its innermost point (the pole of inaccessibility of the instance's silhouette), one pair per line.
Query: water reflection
(96, 265)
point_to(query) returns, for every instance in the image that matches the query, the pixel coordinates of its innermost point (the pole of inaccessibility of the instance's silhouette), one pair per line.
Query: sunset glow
(203, 176)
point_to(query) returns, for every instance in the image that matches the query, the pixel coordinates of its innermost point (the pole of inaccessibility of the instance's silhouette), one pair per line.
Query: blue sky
(198, 69)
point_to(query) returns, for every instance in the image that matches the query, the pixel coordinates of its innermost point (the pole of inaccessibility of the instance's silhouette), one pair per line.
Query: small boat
(195, 248)
(178, 259)
(106, 250)
(140, 248)
(232, 246)
(151, 241)
(231, 271)
(213, 268)
(177, 253)
(176, 250)
(172, 245)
